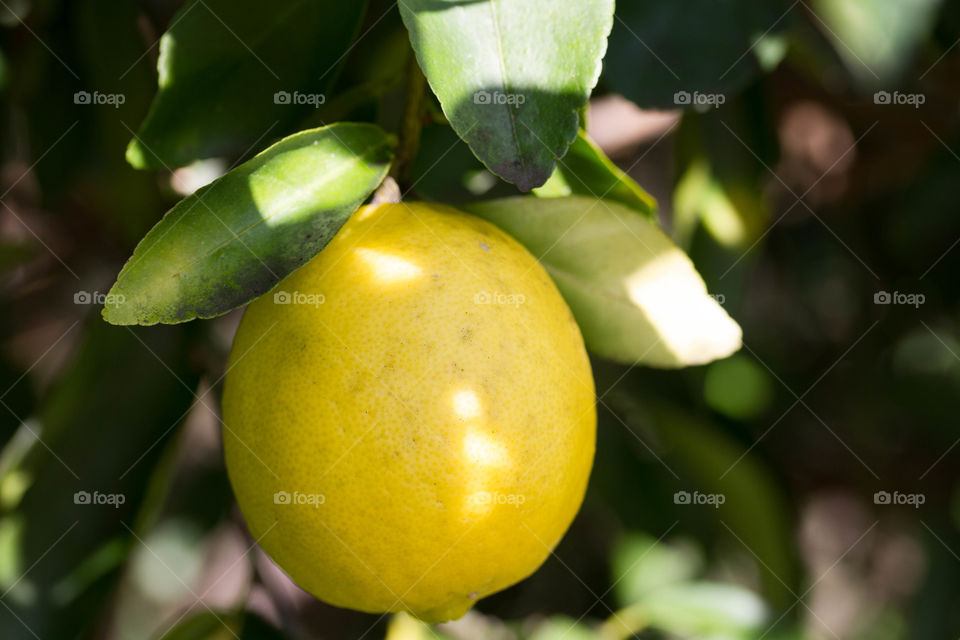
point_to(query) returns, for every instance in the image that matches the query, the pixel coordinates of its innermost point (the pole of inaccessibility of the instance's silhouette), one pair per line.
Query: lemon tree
(409, 416)
(360, 320)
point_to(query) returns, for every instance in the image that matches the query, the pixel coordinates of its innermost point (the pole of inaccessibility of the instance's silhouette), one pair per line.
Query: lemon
(409, 418)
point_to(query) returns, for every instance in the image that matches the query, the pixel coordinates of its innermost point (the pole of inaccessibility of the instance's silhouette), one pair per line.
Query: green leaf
(718, 172)
(738, 388)
(511, 76)
(876, 39)
(403, 626)
(732, 211)
(459, 177)
(640, 564)
(636, 296)
(704, 608)
(661, 47)
(587, 171)
(235, 238)
(126, 202)
(221, 66)
(753, 512)
(99, 428)
(562, 628)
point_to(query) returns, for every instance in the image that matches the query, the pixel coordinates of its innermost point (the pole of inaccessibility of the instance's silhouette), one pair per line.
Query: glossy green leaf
(235, 238)
(669, 54)
(511, 76)
(636, 296)
(876, 39)
(587, 171)
(232, 72)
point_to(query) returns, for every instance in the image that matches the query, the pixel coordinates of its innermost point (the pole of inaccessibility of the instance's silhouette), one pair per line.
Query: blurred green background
(803, 488)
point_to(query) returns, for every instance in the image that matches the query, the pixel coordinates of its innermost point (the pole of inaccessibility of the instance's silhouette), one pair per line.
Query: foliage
(808, 182)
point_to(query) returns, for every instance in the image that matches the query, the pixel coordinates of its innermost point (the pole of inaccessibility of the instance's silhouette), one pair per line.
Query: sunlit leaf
(703, 608)
(234, 239)
(635, 295)
(641, 564)
(876, 38)
(562, 628)
(511, 76)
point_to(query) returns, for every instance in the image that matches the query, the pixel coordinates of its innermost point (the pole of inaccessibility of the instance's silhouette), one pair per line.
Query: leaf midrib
(502, 63)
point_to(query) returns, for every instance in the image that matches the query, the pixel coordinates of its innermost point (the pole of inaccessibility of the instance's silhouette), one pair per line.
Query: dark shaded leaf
(229, 74)
(661, 47)
(95, 436)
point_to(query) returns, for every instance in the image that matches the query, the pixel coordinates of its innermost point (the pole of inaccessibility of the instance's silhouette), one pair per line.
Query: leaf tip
(115, 311)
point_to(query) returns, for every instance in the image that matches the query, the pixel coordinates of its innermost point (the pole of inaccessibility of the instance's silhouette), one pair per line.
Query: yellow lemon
(409, 417)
